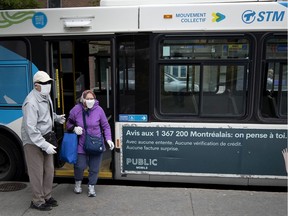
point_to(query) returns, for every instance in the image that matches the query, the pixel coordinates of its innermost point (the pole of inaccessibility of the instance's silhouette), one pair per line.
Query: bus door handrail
(107, 87)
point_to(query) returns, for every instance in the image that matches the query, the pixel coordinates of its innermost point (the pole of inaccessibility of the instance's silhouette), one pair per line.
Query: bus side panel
(197, 151)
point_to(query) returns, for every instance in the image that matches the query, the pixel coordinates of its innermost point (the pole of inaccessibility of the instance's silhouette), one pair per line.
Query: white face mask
(45, 89)
(90, 103)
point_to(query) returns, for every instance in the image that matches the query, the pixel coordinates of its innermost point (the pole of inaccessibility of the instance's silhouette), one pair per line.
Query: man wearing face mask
(38, 118)
(96, 121)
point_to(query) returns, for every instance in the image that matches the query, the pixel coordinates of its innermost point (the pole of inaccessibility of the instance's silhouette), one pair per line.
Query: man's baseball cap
(41, 76)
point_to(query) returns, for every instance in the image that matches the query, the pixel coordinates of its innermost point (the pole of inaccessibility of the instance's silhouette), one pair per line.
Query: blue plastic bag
(69, 148)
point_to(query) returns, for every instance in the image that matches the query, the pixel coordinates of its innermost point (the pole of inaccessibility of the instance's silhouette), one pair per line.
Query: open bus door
(80, 65)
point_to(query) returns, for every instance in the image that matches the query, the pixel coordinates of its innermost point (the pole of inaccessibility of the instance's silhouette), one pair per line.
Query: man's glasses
(45, 83)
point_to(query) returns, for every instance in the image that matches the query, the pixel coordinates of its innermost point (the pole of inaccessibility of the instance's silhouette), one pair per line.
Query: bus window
(178, 92)
(204, 49)
(99, 61)
(276, 48)
(224, 91)
(127, 79)
(14, 72)
(132, 76)
(200, 77)
(126, 68)
(283, 95)
(274, 94)
(180, 80)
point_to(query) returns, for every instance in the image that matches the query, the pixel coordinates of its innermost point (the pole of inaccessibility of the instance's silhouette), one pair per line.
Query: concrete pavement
(114, 200)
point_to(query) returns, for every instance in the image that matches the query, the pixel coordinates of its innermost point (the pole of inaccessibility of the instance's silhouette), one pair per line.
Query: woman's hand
(78, 130)
(111, 144)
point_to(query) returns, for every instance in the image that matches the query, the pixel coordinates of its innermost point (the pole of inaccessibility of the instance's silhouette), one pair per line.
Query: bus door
(79, 65)
(100, 67)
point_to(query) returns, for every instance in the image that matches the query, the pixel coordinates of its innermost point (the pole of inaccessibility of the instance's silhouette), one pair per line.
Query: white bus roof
(247, 16)
(166, 2)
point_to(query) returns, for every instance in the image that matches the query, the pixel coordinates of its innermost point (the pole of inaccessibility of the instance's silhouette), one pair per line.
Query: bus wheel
(11, 160)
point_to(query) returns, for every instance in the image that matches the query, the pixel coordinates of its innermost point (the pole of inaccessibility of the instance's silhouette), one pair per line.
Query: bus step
(68, 171)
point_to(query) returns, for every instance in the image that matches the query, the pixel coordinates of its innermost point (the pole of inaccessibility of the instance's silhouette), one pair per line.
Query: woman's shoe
(77, 188)
(91, 191)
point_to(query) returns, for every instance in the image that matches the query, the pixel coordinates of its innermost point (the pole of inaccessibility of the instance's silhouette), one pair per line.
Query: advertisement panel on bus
(203, 148)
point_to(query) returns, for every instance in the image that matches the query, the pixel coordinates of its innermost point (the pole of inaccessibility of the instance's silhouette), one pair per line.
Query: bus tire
(11, 160)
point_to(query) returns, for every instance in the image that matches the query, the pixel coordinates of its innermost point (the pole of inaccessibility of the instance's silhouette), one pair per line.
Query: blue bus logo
(249, 16)
(39, 20)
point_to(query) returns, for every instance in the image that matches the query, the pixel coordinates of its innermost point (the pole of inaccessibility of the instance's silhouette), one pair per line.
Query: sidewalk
(114, 200)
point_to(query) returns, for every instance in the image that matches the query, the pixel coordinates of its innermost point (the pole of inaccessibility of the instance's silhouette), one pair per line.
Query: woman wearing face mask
(96, 122)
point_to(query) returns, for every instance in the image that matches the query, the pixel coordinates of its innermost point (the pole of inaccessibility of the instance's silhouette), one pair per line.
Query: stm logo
(249, 16)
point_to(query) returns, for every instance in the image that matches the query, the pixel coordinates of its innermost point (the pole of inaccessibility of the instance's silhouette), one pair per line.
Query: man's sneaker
(77, 188)
(91, 191)
(41, 207)
(52, 202)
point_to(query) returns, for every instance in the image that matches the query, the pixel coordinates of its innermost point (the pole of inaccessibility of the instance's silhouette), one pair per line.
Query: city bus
(194, 91)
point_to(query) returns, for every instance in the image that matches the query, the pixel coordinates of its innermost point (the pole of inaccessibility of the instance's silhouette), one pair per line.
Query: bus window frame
(278, 118)
(248, 64)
